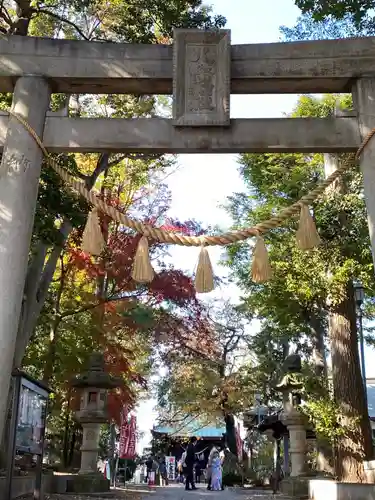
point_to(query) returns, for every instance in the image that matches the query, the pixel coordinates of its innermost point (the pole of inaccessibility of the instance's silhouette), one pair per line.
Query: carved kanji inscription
(14, 163)
(201, 78)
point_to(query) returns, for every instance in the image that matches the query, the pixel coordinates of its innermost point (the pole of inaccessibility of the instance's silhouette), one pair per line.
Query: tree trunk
(317, 337)
(56, 320)
(355, 445)
(230, 433)
(50, 360)
(65, 451)
(324, 459)
(24, 12)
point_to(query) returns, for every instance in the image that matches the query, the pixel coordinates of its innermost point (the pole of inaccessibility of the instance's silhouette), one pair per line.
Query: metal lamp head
(359, 293)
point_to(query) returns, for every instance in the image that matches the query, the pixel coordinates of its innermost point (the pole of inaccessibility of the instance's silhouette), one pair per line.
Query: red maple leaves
(167, 309)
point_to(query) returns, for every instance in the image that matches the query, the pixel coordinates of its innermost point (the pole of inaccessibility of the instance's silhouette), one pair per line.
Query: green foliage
(358, 10)
(306, 28)
(292, 307)
(200, 378)
(71, 325)
(131, 21)
(323, 413)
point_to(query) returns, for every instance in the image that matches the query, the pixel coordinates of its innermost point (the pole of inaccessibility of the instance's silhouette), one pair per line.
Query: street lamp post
(359, 297)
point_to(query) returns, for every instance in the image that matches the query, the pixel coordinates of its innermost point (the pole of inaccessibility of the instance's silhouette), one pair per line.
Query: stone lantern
(93, 412)
(290, 386)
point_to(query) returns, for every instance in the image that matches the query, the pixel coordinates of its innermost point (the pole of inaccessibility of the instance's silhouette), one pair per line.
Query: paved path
(176, 492)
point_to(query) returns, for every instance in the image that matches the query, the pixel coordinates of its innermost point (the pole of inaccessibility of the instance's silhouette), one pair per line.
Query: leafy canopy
(357, 11)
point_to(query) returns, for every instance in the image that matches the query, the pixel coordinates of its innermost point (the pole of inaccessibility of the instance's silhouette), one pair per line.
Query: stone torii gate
(201, 69)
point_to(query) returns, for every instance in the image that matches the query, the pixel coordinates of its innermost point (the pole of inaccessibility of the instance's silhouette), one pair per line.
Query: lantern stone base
(89, 483)
(296, 487)
(89, 448)
(324, 489)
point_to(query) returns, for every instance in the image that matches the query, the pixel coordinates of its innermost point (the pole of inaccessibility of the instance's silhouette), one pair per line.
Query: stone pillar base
(295, 487)
(369, 467)
(89, 483)
(326, 489)
(89, 448)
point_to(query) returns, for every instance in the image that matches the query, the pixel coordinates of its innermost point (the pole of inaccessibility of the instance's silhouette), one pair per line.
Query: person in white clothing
(213, 453)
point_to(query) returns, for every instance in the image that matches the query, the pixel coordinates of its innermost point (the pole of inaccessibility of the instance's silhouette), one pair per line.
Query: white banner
(171, 467)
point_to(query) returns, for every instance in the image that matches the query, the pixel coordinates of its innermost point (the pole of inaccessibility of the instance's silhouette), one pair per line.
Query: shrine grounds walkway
(176, 492)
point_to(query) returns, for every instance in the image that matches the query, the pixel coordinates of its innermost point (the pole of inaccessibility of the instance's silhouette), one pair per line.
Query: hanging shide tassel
(261, 269)
(204, 276)
(307, 236)
(92, 239)
(143, 271)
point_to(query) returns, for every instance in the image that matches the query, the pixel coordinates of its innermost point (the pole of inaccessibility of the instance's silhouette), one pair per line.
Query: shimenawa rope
(307, 238)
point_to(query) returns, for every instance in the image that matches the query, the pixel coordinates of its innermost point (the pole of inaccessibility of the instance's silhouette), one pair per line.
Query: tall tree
(307, 28)
(91, 20)
(210, 382)
(310, 285)
(94, 305)
(136, 21)
(58, 211)
(349, 21)
(359, 12)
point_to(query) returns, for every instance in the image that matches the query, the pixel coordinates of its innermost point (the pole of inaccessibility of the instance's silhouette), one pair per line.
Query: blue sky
(203, 182)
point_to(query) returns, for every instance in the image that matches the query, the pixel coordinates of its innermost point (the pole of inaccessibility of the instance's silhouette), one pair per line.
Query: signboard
(27, 428)
(171, 467)
(31, 418)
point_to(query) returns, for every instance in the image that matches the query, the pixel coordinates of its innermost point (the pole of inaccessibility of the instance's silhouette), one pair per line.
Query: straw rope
(169, 237)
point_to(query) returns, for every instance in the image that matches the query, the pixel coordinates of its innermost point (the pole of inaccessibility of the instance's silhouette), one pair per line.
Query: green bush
(232, 479)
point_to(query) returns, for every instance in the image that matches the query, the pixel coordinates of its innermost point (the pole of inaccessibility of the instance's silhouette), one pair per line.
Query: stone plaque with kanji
(201, 78)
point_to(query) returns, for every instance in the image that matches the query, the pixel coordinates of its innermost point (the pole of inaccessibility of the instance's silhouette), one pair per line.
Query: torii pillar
(364, 103)
(19, 180)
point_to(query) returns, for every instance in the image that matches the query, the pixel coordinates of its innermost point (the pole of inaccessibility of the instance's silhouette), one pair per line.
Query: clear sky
(205, 181)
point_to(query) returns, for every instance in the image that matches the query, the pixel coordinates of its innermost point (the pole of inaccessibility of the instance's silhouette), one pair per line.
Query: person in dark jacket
(198, 471)
(163, 472)
(149, 464)
(189, 461)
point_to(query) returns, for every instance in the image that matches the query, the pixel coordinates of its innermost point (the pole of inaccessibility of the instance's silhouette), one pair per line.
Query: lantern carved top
(292, 377)
(95, 376)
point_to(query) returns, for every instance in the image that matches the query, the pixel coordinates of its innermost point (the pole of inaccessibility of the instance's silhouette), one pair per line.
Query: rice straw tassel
(204, 276)
(143, 271)
(92, 239)
(261, 269)
(307, 236)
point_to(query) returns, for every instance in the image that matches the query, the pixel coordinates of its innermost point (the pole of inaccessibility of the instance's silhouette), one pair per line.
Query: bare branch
(101, 166)
(63, 20)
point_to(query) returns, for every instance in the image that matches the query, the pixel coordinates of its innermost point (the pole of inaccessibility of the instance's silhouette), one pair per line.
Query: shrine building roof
(191, 429)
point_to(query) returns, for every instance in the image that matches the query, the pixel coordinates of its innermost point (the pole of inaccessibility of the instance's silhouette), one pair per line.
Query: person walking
(189, 461)
(198, 472)
(149, 464)
(214, 451)
(216, 474)
(163, 472)
(180, 475)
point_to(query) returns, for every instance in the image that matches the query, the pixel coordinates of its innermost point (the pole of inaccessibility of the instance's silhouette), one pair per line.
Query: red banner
(128, 437)
(130, 453)
(124, 433)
